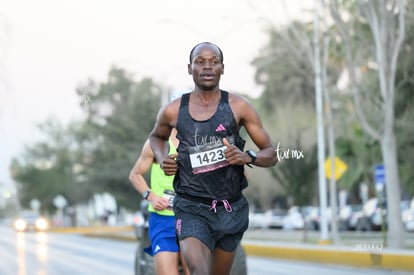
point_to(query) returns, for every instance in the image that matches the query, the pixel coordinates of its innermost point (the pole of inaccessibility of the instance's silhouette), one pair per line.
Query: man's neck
(204, 97)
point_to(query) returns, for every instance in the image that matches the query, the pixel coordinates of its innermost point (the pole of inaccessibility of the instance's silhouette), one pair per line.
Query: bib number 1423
(208, 160)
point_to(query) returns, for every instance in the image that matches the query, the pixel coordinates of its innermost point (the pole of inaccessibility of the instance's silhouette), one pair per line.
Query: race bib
(169, 195)
(207, 158)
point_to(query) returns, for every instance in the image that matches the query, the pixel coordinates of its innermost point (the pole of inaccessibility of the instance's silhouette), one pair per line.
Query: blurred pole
(331, 143)
(332, 180)
(320, 132)
(332, 183)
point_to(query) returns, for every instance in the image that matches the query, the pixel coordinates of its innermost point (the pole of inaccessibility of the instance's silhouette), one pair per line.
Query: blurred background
(81, 83)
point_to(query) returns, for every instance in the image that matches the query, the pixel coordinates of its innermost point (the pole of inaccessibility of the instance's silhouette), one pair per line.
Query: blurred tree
(299, 180)
(120, 113)
(386, 22)
(361, 153)
(47, 169)
(287, 103)
(298, 177)
(283, 68)
(404, 107)
(94, 155)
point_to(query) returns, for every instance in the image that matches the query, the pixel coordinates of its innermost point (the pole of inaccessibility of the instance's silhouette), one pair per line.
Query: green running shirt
(160, 182)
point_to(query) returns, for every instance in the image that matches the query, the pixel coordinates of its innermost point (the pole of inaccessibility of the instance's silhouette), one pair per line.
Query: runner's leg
(166, 263)
(222, 261)
(196, 255)
(184, 265)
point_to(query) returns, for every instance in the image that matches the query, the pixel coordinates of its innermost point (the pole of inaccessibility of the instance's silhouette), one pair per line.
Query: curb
(321, 254)
(381, 259)
(92, 230)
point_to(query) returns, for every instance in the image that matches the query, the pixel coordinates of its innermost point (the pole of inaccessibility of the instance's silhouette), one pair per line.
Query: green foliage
(298, 177)
(284, 69)
(120, 115)
(404, 109)
(371, 101)
(94, 155)
(287, 106)
(286, 74)
(47, 169)
(361, 154)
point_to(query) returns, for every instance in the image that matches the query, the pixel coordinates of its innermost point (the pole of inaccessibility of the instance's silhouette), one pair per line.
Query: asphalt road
(49, 253)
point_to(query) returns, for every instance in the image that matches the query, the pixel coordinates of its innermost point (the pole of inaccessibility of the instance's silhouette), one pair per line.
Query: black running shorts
(219, 224)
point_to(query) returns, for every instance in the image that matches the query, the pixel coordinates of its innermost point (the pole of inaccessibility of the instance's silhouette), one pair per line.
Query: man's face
(206, 67)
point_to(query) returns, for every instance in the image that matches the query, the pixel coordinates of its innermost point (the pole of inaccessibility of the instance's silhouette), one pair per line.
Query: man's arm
(159, 136)
(142, 166)
(136, 177)
(248, 117)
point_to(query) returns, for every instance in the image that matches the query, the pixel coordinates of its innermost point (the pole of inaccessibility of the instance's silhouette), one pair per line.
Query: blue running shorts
(161, 230)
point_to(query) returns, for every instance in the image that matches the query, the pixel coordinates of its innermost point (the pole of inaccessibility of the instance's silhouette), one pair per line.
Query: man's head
(206, 65)
(220, 53)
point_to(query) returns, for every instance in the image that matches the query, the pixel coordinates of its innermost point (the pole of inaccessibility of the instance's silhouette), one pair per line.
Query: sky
(50, 47)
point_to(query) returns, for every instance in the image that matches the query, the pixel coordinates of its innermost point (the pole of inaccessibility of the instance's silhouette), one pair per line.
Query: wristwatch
(252, 154)
(146, 194)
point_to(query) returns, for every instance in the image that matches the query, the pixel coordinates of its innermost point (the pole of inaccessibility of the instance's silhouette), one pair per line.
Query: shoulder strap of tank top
(185, 98)
(224, 97)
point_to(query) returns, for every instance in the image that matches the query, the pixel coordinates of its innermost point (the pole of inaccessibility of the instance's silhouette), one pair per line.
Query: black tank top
(203, 171)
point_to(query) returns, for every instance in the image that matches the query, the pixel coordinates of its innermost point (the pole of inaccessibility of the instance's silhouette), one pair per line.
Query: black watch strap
(252, 155)
(146, 194)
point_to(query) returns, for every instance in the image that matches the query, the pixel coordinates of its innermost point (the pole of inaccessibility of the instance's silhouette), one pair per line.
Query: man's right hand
(169, 164)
